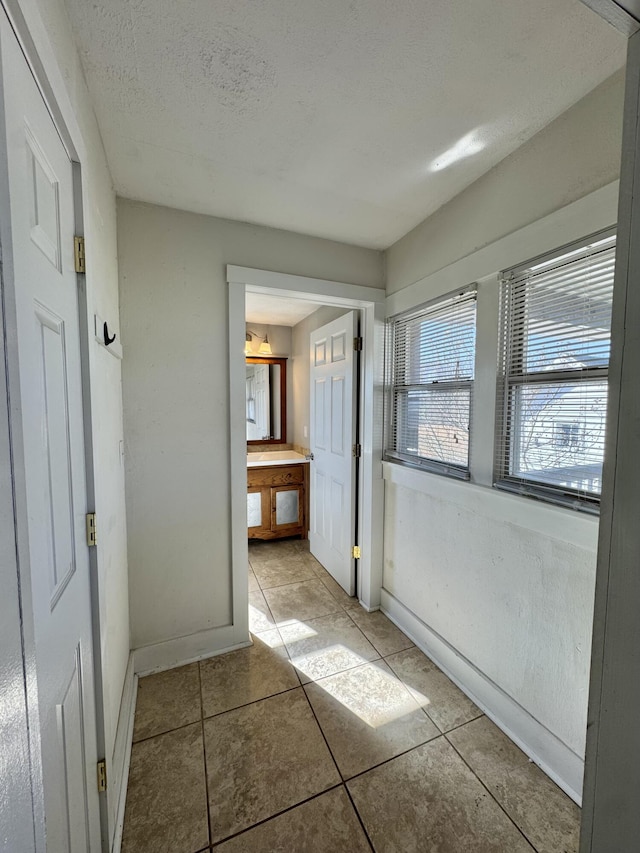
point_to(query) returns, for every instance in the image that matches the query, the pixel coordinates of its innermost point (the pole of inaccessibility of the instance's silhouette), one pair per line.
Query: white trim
(553, 756)
(370, 300)
(157, 657)
(592, 213)
(118, 775)
(302, 287)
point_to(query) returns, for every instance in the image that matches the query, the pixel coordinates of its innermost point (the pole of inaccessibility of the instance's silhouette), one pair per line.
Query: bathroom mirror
(266, 403)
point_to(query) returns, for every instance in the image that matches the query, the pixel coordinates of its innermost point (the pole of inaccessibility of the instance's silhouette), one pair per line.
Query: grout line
(460, 725)
(277, 814)
(315, 717)
(355, 808)
(253, 702)
(495, 800)
(393, 758)
(204, 756)
(167, 732)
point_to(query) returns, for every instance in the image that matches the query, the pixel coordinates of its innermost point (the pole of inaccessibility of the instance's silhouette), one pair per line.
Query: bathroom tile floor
(332, 733)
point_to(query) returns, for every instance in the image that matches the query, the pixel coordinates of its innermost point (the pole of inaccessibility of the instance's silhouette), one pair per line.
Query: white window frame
(395, 386)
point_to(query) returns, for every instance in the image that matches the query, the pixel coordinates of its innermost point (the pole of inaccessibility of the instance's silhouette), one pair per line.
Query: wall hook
(107, 339)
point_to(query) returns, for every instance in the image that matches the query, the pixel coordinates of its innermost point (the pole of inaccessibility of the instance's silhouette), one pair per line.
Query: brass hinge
(102, 775)
(92, 535)
(357, 451)
(357, 344)
(78, 251)
(355, 552)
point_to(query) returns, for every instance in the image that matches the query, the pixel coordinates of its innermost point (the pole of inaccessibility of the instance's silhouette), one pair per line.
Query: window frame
(393, 388)
(512, 375)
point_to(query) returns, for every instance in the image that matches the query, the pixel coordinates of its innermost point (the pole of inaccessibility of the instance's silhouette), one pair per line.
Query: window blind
(554, 358)
(430, 369)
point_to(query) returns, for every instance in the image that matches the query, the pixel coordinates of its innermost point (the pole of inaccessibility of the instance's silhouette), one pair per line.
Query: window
(555, 328)
(430, 367)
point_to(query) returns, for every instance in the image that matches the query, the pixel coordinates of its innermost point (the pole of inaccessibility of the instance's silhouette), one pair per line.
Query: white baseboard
(183, 650)
(554, 757)
(119, 770)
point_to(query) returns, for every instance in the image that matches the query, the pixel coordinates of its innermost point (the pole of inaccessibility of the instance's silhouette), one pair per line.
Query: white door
(42, 228)
(333, 434)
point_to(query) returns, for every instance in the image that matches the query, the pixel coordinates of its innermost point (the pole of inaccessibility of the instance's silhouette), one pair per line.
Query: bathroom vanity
(277, 494)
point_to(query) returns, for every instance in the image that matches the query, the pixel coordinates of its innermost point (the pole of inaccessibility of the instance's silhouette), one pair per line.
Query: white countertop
(274, 457)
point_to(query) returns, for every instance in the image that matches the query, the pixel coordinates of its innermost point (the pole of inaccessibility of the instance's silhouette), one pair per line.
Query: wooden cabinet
(277, 501)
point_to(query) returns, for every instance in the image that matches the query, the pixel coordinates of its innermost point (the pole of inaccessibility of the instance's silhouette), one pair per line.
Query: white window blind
(555, 342)
(430, 368)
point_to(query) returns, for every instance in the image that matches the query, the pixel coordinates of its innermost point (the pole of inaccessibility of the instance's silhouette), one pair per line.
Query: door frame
(371, 303)
(72, 141)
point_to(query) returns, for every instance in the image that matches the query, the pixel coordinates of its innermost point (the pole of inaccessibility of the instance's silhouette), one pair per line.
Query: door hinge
(357, 451)
(102, 775)
(355, 552)
(78, 252)
(357, 344)
(92, 535)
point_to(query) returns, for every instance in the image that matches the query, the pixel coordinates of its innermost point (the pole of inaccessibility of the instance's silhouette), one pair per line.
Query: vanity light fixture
(265, 346)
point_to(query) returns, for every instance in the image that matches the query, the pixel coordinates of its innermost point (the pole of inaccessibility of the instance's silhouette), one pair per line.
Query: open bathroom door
(333, 393)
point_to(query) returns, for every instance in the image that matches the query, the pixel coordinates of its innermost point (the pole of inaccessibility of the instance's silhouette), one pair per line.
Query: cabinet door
(287, 509)
(258, 510)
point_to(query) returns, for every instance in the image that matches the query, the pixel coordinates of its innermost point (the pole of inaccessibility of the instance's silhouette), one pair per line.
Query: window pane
(434, 424)
(564, 315)
(558, 432)
(440, 348)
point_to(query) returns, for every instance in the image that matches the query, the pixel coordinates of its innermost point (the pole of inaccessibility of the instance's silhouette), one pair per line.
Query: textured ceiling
(341, 118)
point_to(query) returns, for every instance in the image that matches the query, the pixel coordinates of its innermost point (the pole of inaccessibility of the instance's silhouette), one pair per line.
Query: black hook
(107, 339)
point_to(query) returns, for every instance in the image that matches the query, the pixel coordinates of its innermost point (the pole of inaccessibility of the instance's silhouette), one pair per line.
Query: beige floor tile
(445, 703)
(260, 618)
(326, 824)
(253, 581)
(246, 675)
(429, 800)
(262, 759)
(300, 601)
(166, 701)
(368, 716)
(261, 551)
(282, 571)
(166, 807)
(544, 813)
(347, 601)
(380, 631)
(322, 647)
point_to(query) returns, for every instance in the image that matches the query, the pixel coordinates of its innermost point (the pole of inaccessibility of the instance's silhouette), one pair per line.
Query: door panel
(333, 425)
(42, 220)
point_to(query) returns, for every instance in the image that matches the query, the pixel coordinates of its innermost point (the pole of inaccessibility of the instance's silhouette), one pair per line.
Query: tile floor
(333, 732)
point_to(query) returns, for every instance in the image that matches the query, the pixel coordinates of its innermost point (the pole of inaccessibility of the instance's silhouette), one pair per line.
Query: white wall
(300, 346)
(175, 383)
(497, 586)
(50, 30)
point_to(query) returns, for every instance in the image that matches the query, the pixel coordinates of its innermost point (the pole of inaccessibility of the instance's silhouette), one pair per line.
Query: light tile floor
(332, 733)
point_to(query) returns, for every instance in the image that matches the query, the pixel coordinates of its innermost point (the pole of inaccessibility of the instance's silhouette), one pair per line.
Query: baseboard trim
(121, 759)
(554, 757)
(183, 650)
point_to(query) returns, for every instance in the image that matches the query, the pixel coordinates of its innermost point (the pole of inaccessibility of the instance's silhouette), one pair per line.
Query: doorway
(370, 302)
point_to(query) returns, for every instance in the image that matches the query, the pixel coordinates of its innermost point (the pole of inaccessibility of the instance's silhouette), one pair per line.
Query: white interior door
(333, 425)
(42, 228)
